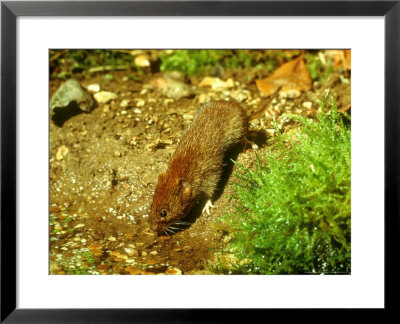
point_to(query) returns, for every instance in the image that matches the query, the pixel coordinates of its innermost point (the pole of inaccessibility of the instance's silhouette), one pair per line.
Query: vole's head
(172, 201)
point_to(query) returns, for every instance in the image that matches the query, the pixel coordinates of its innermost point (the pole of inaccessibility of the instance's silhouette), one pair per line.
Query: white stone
(125, 103)
(142, 60)
(104, 96)
(93, 88)
(140, 103)
(61, 152)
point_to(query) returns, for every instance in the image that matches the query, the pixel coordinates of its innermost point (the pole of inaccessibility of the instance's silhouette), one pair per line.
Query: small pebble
(216, 83)
(307, 104)
(187, 116)
(142, 60)
(93, 87)
(129, 251)
(174, 271)
(61, 152)
(167, 101)
(270, 132)
(140, 103)
(125, 103)
(104, 96)
(202, 98)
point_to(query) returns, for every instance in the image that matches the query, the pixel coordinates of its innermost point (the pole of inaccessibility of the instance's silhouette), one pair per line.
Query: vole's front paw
(207, 207)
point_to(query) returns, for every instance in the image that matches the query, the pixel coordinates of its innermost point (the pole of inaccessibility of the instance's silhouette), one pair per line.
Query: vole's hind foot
(250, 144)
(207, 207)
(254, 146)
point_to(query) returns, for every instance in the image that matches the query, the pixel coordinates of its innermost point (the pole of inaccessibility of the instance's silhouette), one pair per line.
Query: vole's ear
(187, 187)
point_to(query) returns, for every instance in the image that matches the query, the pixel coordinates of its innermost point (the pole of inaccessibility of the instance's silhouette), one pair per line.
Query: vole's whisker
(170, 230)
(182, 223)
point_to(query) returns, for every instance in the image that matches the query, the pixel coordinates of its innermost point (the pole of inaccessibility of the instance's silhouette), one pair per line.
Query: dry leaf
(347, 56)
(339, 58)
(346, 108)
(292, 76)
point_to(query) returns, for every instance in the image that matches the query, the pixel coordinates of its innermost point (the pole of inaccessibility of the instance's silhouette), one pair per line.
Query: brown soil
(101, 190)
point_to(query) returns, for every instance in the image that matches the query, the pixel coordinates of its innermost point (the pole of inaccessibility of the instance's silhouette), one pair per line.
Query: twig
(108, 68)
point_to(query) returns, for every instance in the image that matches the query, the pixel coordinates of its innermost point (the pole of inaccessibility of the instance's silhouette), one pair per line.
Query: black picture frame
(10, 10)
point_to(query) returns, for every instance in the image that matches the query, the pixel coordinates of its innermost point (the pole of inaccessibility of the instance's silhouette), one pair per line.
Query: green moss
(80, 271)
(201, 62)
(65, 63)
(293, 210)
(81, 60)
(89, 257)
(318, 71)
(191, 61)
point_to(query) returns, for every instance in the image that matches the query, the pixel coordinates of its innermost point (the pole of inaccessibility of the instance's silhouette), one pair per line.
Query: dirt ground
(101, 187)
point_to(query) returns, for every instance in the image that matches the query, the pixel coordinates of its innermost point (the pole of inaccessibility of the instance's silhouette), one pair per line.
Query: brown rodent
(196, 166)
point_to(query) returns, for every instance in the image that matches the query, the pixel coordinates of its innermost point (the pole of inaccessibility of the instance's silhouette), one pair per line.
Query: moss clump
(293, 210)
(191, 62)
(64, 62)
(201, 62)
(318, 71)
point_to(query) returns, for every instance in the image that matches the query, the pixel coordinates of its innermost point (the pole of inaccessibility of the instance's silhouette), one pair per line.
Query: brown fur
(196, 166)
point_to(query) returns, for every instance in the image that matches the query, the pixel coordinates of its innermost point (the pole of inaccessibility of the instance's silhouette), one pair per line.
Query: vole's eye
(163, 213)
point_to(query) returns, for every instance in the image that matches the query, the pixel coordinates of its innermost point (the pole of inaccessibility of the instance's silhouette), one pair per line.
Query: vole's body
(196, 166)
